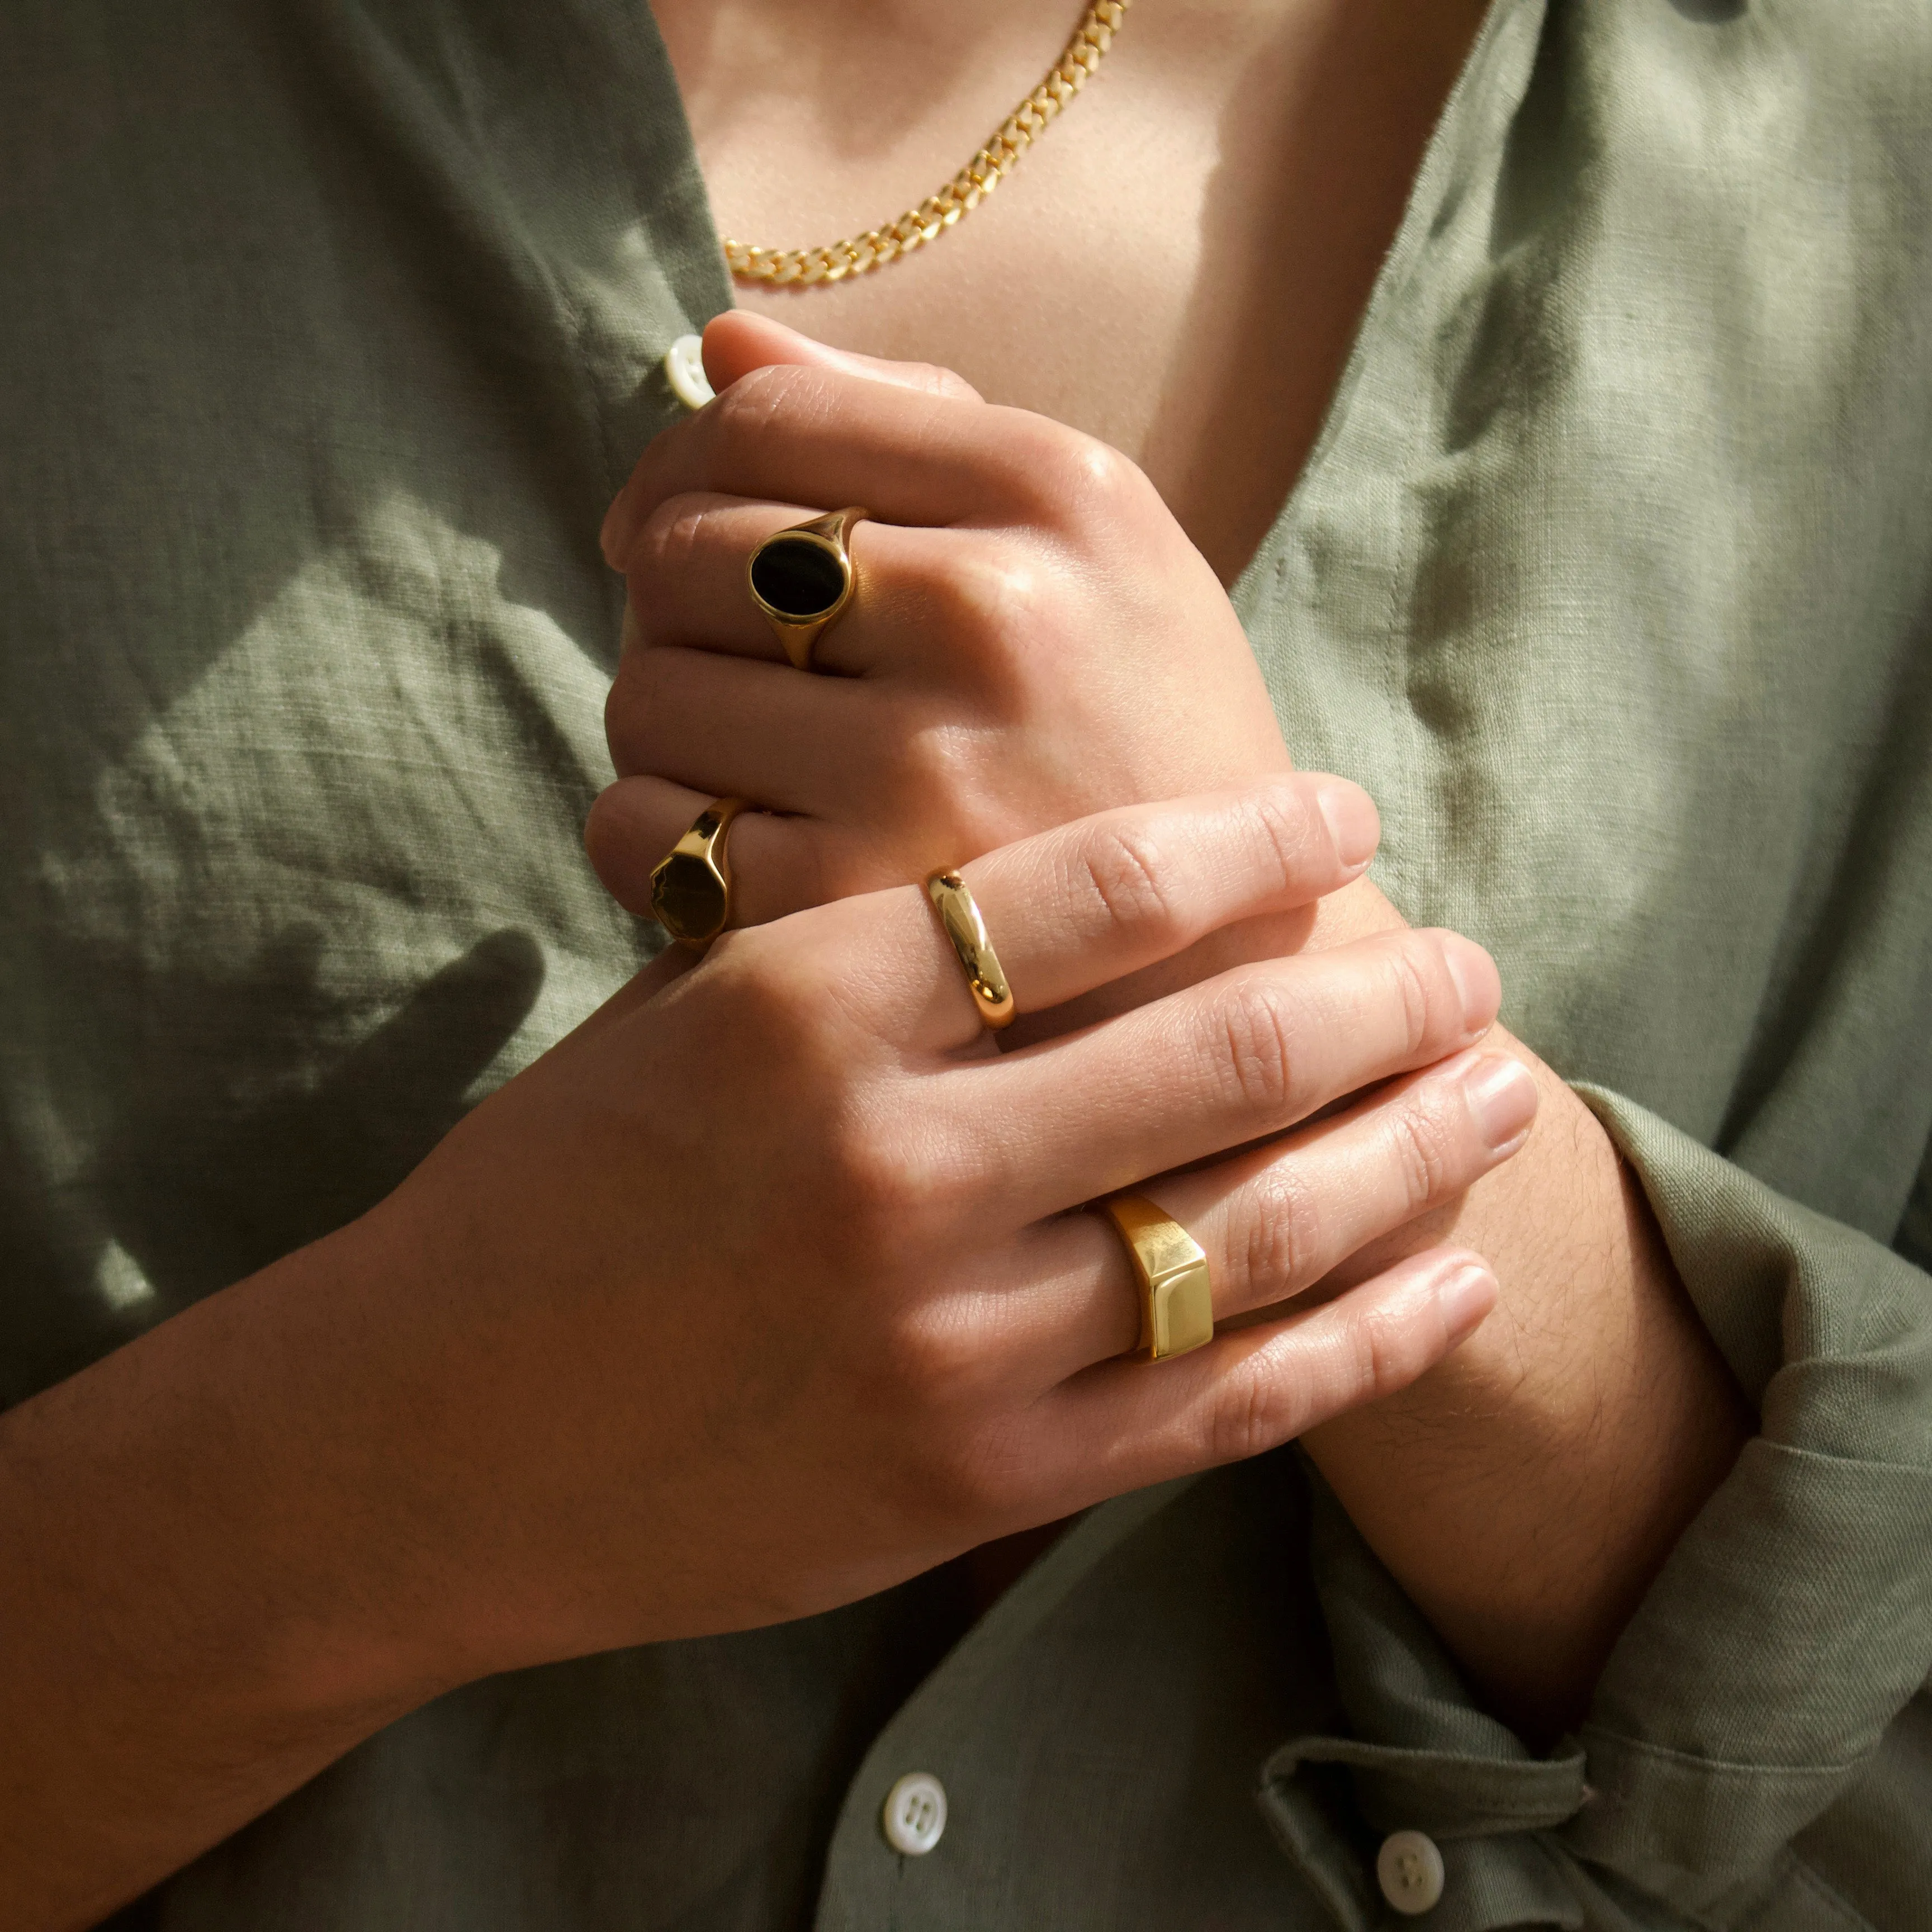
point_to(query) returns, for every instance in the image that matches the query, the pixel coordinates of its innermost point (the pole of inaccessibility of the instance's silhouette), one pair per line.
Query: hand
(755, 1293)
(1033, 637)
(1570, 1445)
(865, 1334)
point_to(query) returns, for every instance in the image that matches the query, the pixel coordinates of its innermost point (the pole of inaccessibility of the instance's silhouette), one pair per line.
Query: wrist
(232, 1460)
(202, 1603)
(379, 1556)
(1525, 1492)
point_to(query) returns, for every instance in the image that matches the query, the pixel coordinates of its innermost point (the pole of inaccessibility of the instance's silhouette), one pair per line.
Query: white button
(1409, 1869)
(684, 370)
(915, 1813)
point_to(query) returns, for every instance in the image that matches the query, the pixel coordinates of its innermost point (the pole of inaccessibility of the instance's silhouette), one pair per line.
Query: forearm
(1525, 1492)
(207, 1591)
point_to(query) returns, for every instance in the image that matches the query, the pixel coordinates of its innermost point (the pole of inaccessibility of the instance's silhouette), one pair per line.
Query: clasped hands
(767, 1286)
(1039, 659)
(1040, 676)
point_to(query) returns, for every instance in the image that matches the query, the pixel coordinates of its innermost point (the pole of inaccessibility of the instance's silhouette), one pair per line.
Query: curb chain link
(832, 261)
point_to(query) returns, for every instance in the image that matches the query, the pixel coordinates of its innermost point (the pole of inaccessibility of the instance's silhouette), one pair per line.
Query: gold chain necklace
(835, 260)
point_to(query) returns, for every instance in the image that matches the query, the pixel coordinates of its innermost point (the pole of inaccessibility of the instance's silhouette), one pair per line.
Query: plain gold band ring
(959, 916)
(802, 579)
(1177, 1294)
(691, 885)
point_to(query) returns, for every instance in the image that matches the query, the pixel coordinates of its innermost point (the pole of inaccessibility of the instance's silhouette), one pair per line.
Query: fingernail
(1465, 1296)
(1501, 1094)
(1353, 824)
(1475, 974)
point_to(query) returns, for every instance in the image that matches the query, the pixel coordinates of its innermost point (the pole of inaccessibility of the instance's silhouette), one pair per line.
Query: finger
(779, 865)
(740, 341)
(1089, 902)
(1083, 905)
(687, 579)
(1273, 1221)
(723, 725)
(826, 437)
(1125, 1425)
(781, 862)
(1233, 1061)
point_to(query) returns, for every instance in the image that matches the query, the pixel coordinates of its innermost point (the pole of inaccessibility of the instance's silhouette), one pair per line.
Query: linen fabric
(330, 328)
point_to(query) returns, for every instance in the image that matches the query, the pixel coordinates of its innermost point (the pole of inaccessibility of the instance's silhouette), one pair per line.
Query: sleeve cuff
(1787, 1632)
(1426, 1759)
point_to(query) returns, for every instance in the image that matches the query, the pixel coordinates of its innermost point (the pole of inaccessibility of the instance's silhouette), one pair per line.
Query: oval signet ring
(802, 578)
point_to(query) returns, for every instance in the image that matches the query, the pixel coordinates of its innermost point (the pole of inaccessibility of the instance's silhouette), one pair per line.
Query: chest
(1178, 264)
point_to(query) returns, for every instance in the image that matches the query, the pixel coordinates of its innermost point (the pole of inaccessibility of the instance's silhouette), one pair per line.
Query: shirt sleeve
(1761, 1717)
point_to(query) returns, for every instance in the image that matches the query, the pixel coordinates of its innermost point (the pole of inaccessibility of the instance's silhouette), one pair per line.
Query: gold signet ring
(1177, 1297)
(802, 579)
(960, 916)
(691, 885)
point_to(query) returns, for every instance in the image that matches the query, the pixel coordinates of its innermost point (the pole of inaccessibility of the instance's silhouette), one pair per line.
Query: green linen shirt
(330, 326)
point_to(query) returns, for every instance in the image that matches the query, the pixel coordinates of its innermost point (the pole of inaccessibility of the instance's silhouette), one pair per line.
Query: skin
(1213, 209)
(1034, 620)
(1176, 267)
(360, 1540)
(580, 1383)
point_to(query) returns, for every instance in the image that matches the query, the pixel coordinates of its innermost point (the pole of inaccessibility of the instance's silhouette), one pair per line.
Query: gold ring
(960, 916)
(691, 885)
(1177, 1296)
(802, 579)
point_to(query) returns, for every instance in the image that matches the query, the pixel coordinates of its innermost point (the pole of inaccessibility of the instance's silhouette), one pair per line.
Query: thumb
(738, 341)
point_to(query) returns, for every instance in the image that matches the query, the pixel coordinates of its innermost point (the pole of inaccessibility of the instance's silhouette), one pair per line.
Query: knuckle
(932, 760)
(1121, 866)
(1423, 1146)
(1097, 476)
(1256, 1050)
(669, 541)
(992, 595)
(1414, 969)
(927, 1359)
(1280, 1236)
(972, 1479)
(753, 403)
(939, 381)
(1376, 1363)
(1068, 476)
(775, 995)
(883, 1182)
(871, 1180)
(1252, 1412)
(1281, 817)
(784, 984)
